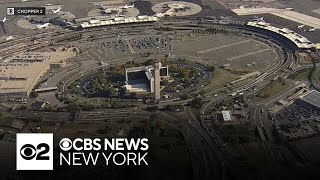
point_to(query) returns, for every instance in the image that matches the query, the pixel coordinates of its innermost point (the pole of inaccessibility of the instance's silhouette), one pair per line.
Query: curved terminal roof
(300, 41)
(119, 20)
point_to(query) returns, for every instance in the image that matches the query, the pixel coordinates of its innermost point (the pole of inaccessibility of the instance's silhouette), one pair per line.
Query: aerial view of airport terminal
(160, 89)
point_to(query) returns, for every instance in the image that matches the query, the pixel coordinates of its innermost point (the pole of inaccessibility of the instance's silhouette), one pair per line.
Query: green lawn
(274, 88)
(301, 75)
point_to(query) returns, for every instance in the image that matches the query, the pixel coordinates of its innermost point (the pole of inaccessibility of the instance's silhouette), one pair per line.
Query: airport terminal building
(287, 36)
(119, 21)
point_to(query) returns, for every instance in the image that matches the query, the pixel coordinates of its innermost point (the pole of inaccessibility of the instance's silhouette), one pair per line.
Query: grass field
(271, 90)
(301, 75)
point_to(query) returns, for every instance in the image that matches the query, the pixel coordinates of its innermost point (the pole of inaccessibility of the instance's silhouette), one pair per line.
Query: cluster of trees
(197, 103)
(282, 81)
(189, 75)
(185, 96)
(164, 83)
(212, 68)
(73, 87)
(235, 135)
(73, 107)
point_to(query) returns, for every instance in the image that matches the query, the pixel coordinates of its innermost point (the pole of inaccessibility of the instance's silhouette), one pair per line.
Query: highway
(205, 163)
(264, 126)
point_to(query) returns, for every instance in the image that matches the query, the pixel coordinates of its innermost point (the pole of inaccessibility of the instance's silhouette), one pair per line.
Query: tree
(23, 107)
(108, 92)
(202, 92)
(34, 94)
(48, 108)
(212, 68)
(117, 105)
(197, 103)
(88, 107)
(164, 82)
(185, 96)
(117, 67)
(148, 62)
(198, 80)
(72, 107)
(36, 119)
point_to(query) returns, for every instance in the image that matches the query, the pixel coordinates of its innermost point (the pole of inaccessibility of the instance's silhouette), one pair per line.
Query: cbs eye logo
(65, 144)
(34, 151)
(28, 151)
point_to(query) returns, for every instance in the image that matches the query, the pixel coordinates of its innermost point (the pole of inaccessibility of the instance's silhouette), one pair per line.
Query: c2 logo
(34, 151)
(29, 152)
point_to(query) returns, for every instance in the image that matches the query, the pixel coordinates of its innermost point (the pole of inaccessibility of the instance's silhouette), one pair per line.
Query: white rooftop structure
(300, 41)
(226, 115)
(138, 88)
(119, 20)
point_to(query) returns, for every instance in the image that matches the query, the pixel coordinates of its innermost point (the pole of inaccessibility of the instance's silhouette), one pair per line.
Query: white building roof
(119, 20)
(226, 115)
(300, 41)
(141, 87)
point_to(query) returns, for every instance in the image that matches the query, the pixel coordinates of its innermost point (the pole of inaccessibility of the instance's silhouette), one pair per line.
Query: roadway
(204, 160)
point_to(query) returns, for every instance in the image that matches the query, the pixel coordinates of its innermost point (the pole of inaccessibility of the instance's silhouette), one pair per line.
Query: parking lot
(102, 49)
(295, 114)
(241, 53)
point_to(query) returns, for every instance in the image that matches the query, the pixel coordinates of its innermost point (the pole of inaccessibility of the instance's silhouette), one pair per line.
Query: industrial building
(310, 100)
(142, 79)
